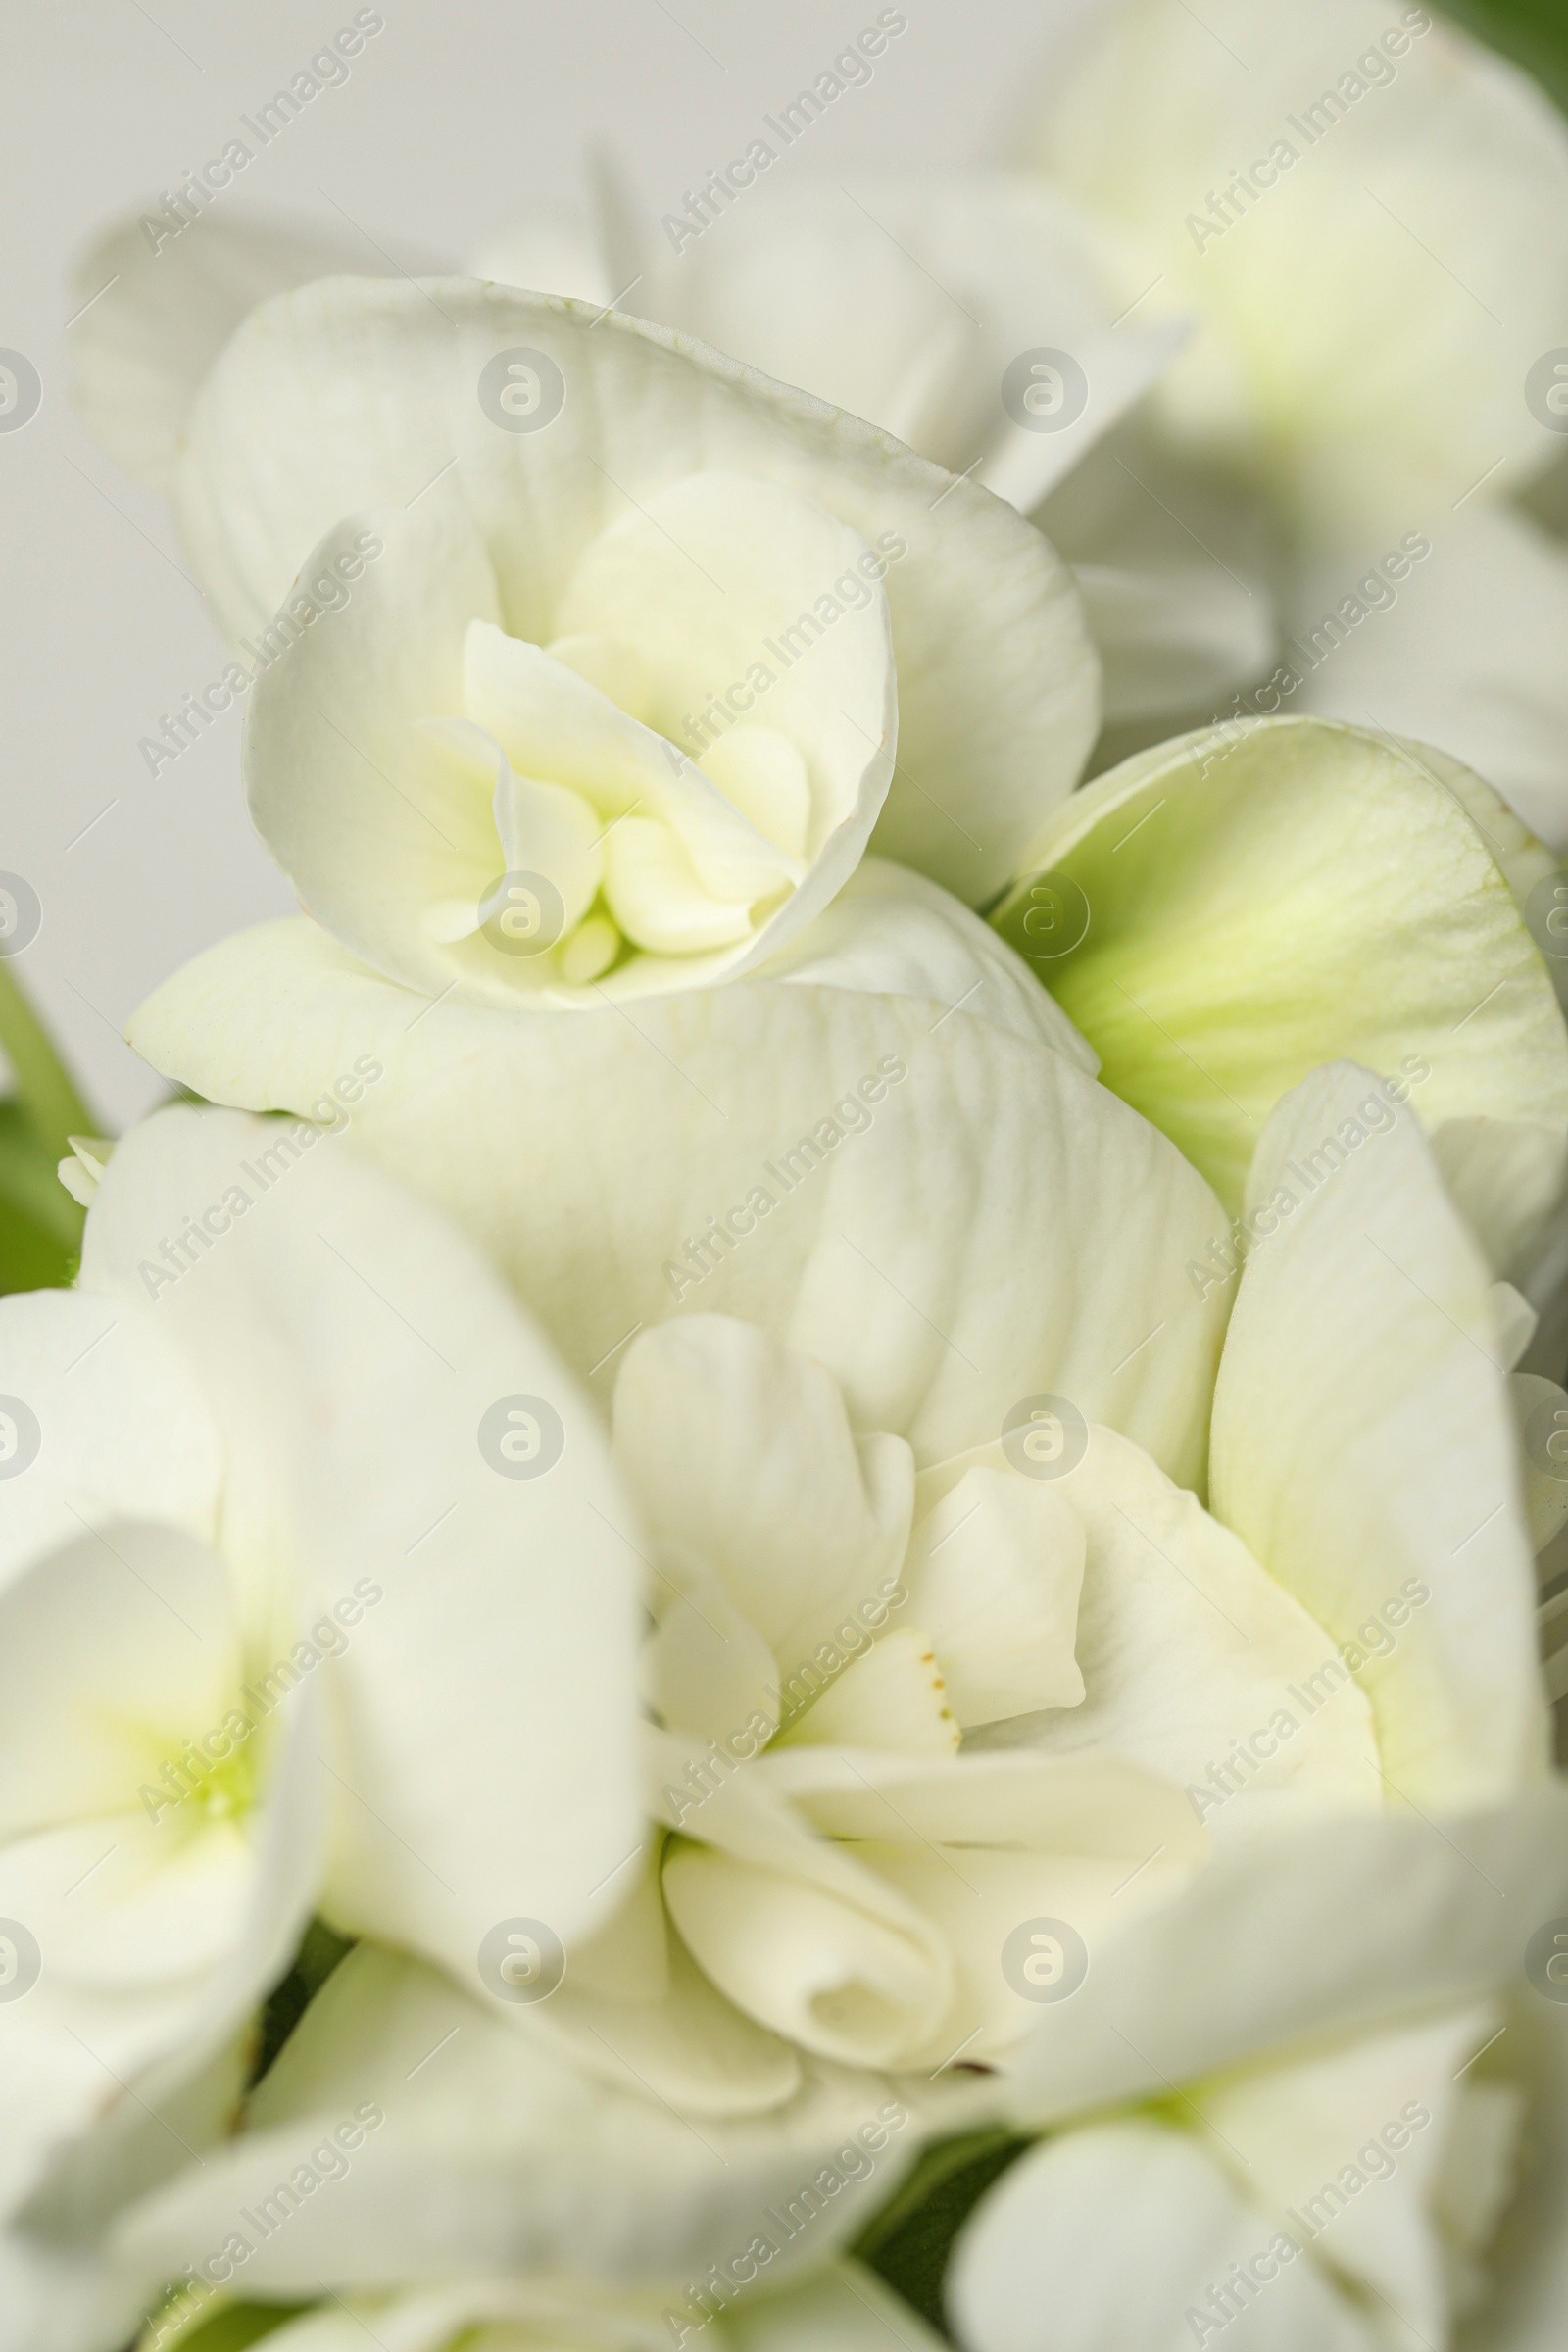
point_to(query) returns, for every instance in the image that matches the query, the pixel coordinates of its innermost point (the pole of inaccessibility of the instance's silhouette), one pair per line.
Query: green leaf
(40, 1225)
(1532, 32)
(190, 2320)
(319, 1954)
(43, 1085)
(912, 2238)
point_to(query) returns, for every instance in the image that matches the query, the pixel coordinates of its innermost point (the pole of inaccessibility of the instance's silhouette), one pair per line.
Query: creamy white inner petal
(131, 1757)
(606, 833)
(840, 1870)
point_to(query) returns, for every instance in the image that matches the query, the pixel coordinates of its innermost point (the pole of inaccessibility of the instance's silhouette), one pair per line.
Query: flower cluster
(778, 1578)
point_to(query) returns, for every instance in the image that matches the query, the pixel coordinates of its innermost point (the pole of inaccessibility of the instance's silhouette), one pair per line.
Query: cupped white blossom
(1348, 2199)
(1224, 913)
(469, 810)
(975, 316)
(829, 1631)
(276, 1636)
(1364, 210)
(560, 432)
(1342, 1636)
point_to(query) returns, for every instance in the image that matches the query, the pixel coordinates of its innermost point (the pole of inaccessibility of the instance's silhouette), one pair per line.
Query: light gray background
(461, 116)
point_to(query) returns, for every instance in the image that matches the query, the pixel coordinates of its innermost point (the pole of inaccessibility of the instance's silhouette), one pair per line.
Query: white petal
(957, 1218)
(890, 932)
(905, 300)
(356, 1432)
(1384, 2109)
(496, 2159)
(994, 1572)
(743, 1453)
(982, 1850)
(706, 580)
(372, 816)
(1382, 1913)
(167, 301)
(114, 1652)
(123, 1430)
(1363, 1446)
(91, 2052)
(893, 1696)
(659, 899)
(829, 1975)
(1121, 2230)
(666, 2029)
(1171, 641)
(767, 779)
(1192, 1656)
(710, 1671)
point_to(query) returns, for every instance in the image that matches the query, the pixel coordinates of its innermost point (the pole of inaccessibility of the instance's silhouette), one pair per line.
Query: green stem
(43, 1084)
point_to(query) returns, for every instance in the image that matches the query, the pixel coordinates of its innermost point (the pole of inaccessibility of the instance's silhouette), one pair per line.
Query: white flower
(568, 452)
(1361, 213)
(275, 1636)
(922, 304)
(1364, 211)
(1332, 1666)
(1349, 2199)
(468, 809)
(828, 1630)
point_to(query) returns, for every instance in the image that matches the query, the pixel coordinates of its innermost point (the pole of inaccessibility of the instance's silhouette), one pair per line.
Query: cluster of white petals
(859, 1542)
